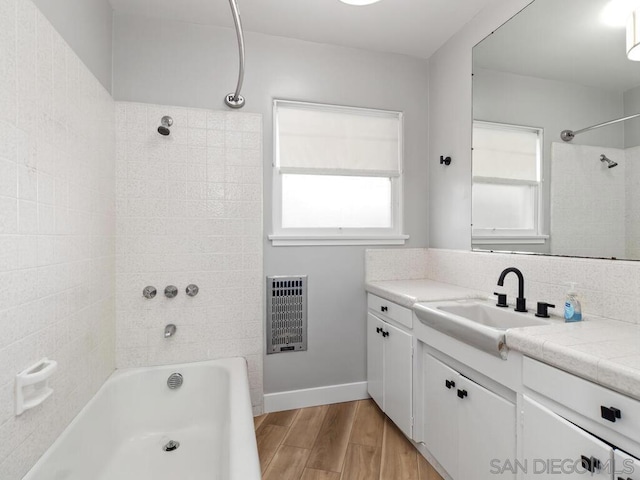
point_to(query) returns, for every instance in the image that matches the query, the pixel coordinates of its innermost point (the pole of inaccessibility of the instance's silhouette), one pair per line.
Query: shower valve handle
(171, 291)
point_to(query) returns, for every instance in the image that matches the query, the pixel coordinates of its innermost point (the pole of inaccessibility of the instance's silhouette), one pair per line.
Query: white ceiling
(561, 40)
(411, 27)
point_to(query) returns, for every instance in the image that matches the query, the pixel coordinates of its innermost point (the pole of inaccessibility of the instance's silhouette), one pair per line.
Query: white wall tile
(180, 201)
(56, 135)
(607, 289)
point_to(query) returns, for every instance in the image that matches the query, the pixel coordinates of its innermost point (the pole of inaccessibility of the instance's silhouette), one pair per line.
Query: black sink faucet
(521, 302)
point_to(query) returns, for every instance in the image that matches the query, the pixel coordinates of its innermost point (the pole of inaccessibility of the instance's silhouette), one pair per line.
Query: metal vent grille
(286, 314)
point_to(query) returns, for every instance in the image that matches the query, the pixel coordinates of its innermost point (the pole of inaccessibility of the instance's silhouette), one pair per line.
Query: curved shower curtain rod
(235, 100)
(568, 135)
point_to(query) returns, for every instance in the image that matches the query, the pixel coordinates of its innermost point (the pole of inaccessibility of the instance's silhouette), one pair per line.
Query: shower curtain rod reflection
(568, 135)
(235, 100)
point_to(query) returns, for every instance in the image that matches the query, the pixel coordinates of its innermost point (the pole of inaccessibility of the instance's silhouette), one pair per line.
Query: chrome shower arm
(568, 135)
(235, 100)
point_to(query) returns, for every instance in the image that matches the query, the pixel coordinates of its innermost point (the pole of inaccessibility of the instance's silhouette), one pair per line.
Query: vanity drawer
(604, 406)
(385, 308)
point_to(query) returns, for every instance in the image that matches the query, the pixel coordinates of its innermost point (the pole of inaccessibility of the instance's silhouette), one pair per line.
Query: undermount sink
(476, 322)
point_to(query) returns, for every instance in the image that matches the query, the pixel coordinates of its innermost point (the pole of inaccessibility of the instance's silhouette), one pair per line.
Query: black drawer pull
(378, 330)
(449, 384)
(628, 478)
(384, 309)
(610, 413)
(462, 393)
(591, 464)
(385, 334)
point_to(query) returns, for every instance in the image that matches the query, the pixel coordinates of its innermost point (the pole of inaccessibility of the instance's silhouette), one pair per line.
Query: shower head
(610, 163)
(165, 123)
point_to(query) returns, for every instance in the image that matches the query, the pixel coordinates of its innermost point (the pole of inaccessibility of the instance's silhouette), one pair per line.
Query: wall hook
(445, 161)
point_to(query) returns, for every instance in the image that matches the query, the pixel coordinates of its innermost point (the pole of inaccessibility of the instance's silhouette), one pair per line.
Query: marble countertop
(603, 351)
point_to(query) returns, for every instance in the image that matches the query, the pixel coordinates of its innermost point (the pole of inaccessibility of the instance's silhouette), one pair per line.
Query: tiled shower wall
(632, 201)
(588, 201)
(57, 226)
(189, 209)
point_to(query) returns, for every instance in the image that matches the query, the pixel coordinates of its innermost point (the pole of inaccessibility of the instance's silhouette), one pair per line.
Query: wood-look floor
(343, 441)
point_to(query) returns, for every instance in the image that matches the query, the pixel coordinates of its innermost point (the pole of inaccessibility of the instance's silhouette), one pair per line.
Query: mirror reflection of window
(506, 181)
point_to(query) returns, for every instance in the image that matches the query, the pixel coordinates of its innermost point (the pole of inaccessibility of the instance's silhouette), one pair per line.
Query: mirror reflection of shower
(610, 163)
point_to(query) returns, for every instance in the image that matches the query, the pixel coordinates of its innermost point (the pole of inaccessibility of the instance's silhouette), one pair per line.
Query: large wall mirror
(558, 65)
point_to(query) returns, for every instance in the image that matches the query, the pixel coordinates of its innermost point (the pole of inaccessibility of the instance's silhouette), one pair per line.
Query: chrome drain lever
(171, 446)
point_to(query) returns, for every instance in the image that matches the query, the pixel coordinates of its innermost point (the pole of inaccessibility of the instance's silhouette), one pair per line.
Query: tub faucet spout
(169, 330)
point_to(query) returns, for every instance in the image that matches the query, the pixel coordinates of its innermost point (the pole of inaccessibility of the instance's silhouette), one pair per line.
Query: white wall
(193, 65)
(86, 25)
(57, 225)
(189, 210)
(450, 121)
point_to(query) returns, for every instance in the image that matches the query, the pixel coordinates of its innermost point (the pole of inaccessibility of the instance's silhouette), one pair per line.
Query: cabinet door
(375, 374)
(487, 431)
(398, 394)
(552, 447)
(626, 466)
(441, 413)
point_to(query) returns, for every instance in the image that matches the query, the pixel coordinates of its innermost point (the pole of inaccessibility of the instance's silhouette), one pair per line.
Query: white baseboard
(311, 397)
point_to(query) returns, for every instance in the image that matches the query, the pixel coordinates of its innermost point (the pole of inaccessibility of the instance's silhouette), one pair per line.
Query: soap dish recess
(32, 385)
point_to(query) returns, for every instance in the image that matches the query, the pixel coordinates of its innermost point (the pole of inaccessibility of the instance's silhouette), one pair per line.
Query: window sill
(513, 240)
(332, 240)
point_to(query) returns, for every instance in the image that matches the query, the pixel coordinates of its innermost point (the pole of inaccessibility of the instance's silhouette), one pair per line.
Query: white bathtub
(119, 435)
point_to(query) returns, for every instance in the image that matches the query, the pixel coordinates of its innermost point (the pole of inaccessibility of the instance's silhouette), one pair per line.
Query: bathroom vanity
(548, 403)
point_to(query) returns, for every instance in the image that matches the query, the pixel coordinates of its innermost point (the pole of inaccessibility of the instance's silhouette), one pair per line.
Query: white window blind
(337, 175)
(503, 152)
(507, 167)
(337, 141)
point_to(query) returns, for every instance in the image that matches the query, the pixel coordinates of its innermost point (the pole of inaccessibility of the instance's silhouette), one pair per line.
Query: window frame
(342, 235)
(487, 236)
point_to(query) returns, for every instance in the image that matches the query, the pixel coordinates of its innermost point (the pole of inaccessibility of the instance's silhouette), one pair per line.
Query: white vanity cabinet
(390, 366)
(626, 466)
(465, 425)
(553, 446)
(571, 419)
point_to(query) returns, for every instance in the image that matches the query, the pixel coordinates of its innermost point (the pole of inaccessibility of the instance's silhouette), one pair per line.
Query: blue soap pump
(572, 308)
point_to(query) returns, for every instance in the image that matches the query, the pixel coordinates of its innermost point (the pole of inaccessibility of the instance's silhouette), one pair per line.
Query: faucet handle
(542, 309)
(502, 299)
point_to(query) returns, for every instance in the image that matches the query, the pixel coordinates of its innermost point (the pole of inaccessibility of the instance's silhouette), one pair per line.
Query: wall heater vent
(286, 314)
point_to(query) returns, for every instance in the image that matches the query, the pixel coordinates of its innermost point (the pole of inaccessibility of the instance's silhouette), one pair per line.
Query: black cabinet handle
(610, 413)
(385, 334)
(462, 393)
(591, 464)
(378, 330)
(384, 309)
(449, 384)
(628, 478)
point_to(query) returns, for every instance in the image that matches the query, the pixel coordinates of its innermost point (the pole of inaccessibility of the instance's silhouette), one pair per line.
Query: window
(337, 175)
(506, 183)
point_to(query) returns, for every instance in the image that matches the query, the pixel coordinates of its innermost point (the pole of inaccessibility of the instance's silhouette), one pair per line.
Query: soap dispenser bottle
(572, 308)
